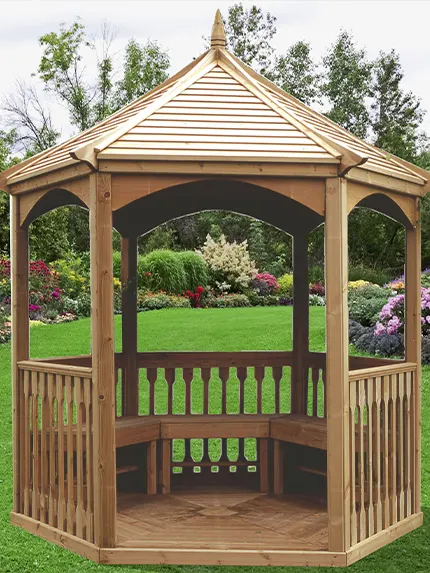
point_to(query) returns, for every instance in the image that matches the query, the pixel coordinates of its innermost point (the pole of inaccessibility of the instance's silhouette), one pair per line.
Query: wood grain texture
(336, 273)
(103, 362)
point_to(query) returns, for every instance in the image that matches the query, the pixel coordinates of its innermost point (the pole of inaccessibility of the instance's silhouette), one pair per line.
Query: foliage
(357, 284)
(145, 67)
(233, 300)
(347, 84)
(195, 297)
(365, 303)
(83, 302)
(49, 236)
(396, 115)
(316, 300)
(317, 288)
(229, 263)
(165, 271)
(295, 72)
(159, 300)
(391, 318)
(286, 285)
(196, 270)
(265, 283)
(376, 276)
(71, 276)
(5, 331)
(249, 36)
(365, 340)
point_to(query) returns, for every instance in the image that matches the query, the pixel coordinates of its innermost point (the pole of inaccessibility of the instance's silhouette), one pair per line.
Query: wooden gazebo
(317, 455)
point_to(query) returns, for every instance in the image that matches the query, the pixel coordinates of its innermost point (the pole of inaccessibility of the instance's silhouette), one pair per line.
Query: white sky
(179, 26)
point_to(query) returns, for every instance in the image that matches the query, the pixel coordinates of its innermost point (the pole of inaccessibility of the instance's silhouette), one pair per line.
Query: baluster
(79, 458)
(408, 444)
(89, 530)
(206, 376)
(242, 373)
(393, 441)
(315, 379)
(324, 381)
(27, 437)
(386, 505)
(400, 447)
(378, 484)
(277, 376)
(61, 505)
(259, 376)
(70, 472)
(151, 374)
(44, 458)
(362, 472)
(188, 374)
(52, 514)
(369, 401)
(35, 502)
(224, 373)
(352, 408)
(169, 375)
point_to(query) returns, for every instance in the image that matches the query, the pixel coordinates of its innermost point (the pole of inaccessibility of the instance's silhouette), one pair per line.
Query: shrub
(235, 300)
(117, 264)
(72, 277)
(270, 283)
(316, 274)
(83, 302)
(286, 285)
(425, 350)
(5, 332)
(165, 272)
(364, 339)
(365, 303)
(391, 318)
(316, 300)
(229, 264)
(376, 276)
(70, 305)
(196, 270)
(317, 288)
(159, 300)
(357, 284)
(195, 297)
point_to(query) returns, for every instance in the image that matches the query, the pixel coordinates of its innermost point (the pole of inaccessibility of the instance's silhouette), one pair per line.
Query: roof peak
(218, 39)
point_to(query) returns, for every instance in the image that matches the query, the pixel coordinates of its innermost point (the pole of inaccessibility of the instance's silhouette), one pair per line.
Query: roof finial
(218, 32)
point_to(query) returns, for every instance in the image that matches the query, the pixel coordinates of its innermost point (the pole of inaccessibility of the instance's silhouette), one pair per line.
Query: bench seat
(131, 430)
(300, 429)
(216, 426)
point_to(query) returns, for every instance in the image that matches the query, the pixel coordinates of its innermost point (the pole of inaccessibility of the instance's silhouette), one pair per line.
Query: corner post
(20, 330)
(103, 360)
(130, 376)
(336, 275)
(413, 338)
(300, 324)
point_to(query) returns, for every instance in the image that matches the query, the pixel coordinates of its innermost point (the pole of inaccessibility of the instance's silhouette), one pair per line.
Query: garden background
(212, 260)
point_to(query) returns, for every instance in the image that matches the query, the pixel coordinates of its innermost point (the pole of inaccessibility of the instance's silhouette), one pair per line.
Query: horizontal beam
(52, 368)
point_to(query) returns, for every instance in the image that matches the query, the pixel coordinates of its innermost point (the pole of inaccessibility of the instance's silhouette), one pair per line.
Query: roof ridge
(88, 152)
(381, 152)
(349, 158)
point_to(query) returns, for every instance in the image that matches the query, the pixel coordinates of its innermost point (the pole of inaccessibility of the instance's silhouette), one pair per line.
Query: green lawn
(183, 329)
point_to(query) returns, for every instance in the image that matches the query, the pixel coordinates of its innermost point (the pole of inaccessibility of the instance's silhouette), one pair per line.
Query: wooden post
(336, 275)
(130, 372)
(20, 332)
(413, 339)
(299, 373)
(103, 360)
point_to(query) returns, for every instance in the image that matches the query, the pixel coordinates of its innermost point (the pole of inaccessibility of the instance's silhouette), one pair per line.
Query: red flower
(200, 290)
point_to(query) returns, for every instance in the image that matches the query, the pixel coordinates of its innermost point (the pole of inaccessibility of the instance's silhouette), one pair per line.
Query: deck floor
(222, 518)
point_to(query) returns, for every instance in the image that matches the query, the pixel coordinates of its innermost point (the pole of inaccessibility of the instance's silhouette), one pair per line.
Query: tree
(29, 119)
(347, 85)
(295, 72)
(145, 67)
(249, 34)
(61, 70)
(396, 115)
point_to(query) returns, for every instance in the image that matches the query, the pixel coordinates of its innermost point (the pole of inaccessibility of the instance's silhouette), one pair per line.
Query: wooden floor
(222, 519)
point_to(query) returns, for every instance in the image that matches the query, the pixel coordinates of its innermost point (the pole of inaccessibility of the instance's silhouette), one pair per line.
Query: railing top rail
(382, 370)
(52, 368)
(214, 359)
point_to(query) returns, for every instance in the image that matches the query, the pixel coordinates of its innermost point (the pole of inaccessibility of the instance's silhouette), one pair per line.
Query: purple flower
(55, 294)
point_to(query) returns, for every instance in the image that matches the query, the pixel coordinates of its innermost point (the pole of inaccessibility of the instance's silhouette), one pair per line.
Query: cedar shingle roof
(218, 109)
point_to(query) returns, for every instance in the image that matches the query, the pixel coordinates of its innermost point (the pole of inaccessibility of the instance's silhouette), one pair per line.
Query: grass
(183, 329)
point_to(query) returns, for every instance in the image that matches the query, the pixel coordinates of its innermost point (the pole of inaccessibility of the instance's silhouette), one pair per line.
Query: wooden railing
(55, 446)
(382, 420)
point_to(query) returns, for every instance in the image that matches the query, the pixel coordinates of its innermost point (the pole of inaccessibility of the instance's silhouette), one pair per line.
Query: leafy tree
(61, 70)
(249, 36)
(347, 85)
(396, 115)
(145, 67)
(295, 72)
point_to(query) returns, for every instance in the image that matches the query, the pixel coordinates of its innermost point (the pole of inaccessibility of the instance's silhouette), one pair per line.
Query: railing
(382, 420)
(55, 446)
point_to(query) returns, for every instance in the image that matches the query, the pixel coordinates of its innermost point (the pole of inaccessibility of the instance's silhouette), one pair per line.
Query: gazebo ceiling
(217, 109)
